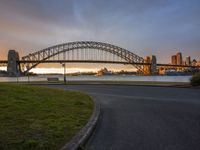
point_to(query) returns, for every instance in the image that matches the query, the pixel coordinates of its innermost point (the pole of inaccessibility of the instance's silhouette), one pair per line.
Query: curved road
(144, 117)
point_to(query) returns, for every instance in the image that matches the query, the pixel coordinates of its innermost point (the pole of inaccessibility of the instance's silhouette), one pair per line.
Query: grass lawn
(40, 118)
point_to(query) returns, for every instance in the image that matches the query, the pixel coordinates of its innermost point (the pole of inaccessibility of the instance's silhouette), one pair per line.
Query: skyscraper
(188, 61)
(147, 69)
(174, 60)
(153, 64)
(179, 58)
(198, 63)
(150, 69)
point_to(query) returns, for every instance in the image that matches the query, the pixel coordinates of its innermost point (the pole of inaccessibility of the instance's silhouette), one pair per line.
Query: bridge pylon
(13, 67)
(152, 68)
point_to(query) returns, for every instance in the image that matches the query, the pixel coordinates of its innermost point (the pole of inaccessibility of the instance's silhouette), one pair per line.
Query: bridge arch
(34, 59)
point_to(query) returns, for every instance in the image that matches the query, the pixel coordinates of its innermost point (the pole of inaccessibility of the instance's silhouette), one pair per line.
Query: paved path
(145, 118)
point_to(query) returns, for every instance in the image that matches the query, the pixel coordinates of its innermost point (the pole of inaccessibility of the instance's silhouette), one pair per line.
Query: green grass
(195, 80)
(40, 118)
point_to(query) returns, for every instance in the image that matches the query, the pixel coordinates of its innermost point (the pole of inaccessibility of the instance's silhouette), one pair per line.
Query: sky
(144, 27)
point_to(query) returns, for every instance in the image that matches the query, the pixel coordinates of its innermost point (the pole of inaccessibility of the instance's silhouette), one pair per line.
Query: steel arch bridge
(82, 51)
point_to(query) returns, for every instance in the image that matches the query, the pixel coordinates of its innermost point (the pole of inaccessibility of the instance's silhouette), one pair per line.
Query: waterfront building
(150, 69)
(194, 62)
(153, 64)
(184, 63)
(173, 60)
(179, 58)
(188, 60)
(147, 70)
(103, 71)
(198, 63)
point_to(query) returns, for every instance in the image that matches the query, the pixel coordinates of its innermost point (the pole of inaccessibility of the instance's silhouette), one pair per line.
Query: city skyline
(159, 28)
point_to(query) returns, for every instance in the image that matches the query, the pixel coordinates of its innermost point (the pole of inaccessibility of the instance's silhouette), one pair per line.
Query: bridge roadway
(98, 61)
(144, 117)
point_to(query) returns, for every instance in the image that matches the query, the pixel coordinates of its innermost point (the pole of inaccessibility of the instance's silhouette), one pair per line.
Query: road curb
(81, 138)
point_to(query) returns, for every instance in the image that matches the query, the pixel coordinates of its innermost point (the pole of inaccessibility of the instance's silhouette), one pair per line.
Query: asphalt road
(145, 117)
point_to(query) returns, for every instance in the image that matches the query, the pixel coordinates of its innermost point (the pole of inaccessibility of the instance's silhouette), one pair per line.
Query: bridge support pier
(13, 67)
(150, 69)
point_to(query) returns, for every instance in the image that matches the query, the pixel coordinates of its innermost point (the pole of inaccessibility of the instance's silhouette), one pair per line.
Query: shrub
(195, 80)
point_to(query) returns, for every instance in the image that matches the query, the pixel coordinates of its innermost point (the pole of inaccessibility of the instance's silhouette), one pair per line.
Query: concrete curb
(81, 138)
(149, 85)
(126, 84)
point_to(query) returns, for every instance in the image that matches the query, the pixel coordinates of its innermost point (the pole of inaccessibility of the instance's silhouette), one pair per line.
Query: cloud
(142, 26)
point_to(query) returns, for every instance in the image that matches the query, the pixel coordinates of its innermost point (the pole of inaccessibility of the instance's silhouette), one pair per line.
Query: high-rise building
(150, 69)
(179, 58)
(174, 60)
(198, 63)
(184, 63)
(188, 61)
(153, 64)
(147, 69)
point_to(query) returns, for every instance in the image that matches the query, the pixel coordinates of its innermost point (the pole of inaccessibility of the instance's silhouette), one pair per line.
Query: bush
(195, 80)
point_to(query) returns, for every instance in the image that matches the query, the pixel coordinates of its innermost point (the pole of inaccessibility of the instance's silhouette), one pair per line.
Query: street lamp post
(64, 74)
(17, 78)
(28, 78)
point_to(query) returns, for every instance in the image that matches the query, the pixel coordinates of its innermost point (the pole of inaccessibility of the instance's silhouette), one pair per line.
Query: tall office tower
(153, 64)
(179, 58)
(188, 61)
(174, 60)
(147, 69)
(198, 63)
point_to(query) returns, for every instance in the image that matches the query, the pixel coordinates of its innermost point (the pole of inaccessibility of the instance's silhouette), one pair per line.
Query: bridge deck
(94, 61)
(3, 61)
